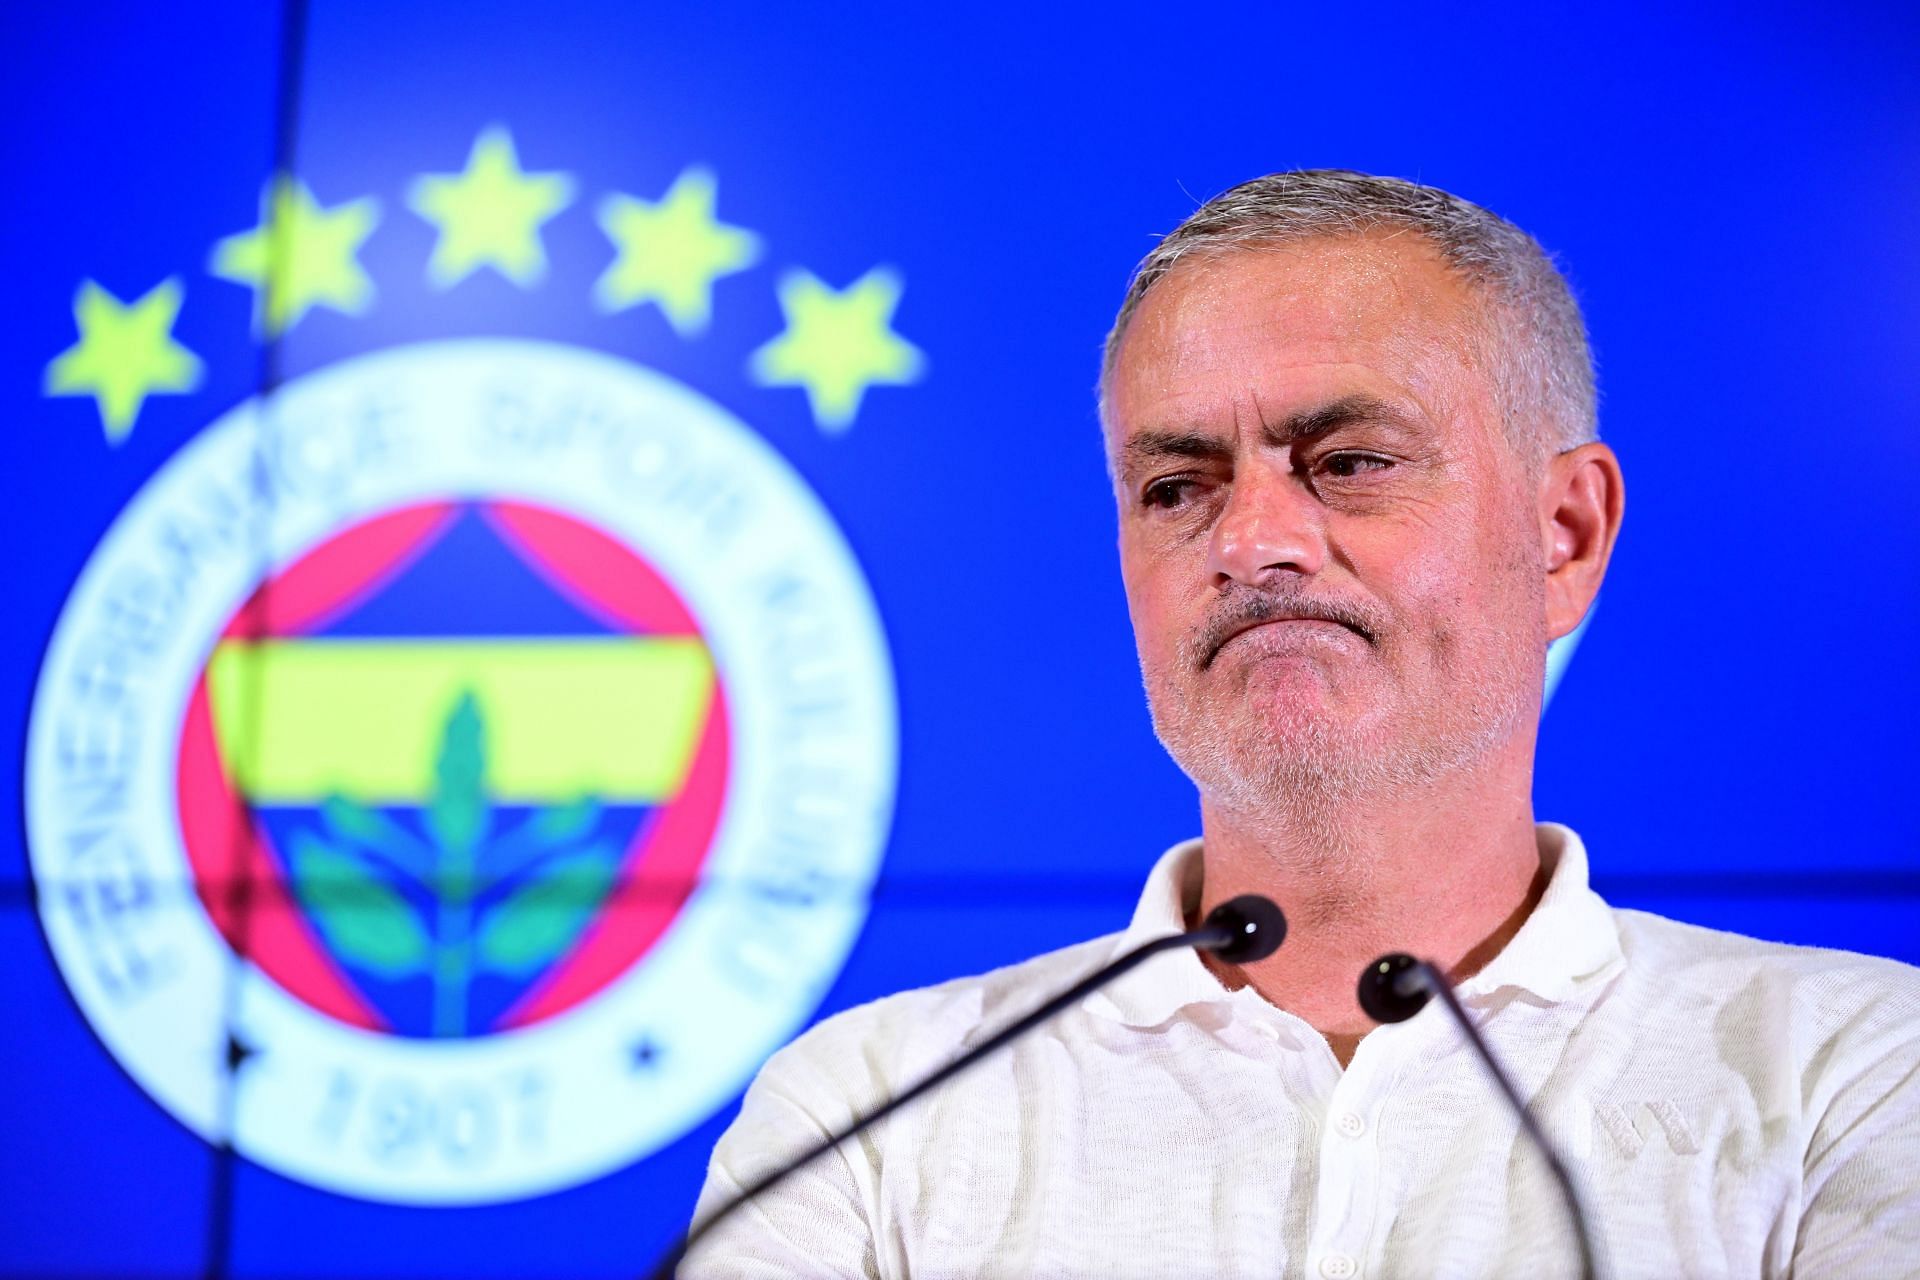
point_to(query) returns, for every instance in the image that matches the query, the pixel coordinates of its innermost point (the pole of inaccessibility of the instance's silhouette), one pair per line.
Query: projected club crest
(473, 721)
(507, 816)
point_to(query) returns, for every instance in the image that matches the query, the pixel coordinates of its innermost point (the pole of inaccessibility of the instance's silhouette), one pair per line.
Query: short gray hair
(1543, 365)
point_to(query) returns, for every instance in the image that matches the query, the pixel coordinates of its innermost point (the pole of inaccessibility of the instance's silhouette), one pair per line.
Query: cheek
(1444, 593)
(1162, 619)
(1145, 583)
(1474, 601)
(1155, 634)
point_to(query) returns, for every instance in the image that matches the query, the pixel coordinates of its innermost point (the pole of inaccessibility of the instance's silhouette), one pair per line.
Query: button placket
(1349, 1182)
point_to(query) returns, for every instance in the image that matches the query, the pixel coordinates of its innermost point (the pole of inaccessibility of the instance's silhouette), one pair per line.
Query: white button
(1338, 1266)
(1268, 1030)
(1350, 1124)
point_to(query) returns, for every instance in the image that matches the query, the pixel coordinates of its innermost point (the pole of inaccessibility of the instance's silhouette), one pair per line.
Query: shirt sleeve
(819, 1221)
(1861, 1194)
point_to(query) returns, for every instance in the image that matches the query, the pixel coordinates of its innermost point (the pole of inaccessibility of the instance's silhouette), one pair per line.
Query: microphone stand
(1393, 989)
(1240, 931)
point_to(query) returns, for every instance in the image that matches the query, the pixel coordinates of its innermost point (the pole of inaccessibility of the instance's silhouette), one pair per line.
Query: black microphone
(1393, 989)
(1240, 931)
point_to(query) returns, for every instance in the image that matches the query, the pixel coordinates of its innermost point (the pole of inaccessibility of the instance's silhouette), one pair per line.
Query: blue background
(1733, 191)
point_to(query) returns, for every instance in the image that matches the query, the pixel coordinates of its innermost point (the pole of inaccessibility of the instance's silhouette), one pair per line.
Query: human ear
(1582, 498)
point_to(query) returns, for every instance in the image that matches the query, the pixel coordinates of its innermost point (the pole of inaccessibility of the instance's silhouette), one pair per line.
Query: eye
(1168, 493)
(1346, 465)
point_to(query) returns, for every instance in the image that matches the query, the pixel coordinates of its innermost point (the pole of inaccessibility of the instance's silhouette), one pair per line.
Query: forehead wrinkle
(1318, 420)
(1339, 293)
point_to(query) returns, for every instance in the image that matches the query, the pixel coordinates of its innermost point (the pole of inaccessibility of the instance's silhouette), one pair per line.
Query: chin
(1274, 753)
(1296, 709)
(1260, 760)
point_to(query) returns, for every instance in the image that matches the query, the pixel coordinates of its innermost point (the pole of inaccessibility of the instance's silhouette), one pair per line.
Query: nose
(1271, 524)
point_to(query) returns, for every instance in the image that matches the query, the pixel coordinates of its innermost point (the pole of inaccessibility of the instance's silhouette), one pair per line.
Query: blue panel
(1732, 200)
(98, 1179)
(1887, 924)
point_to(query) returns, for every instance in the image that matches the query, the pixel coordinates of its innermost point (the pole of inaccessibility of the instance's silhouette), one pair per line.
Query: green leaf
(565, 823)
(369, 830)
(539, 921)
(351, 820)
(458, 814)
(363, 920)
(547, 832)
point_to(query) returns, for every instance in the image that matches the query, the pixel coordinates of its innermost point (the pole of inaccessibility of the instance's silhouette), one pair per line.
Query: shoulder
(1680, 950)
(832, 1216)
(1812, 1000)
(868, 1052)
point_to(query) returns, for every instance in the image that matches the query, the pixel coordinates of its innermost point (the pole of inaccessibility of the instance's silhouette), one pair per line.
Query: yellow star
(838, 344)
(490, 215)
(671, 252)
(125, 354)
(318, 247)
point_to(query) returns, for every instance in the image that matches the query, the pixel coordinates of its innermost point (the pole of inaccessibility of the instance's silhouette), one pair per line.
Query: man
(1350, 422)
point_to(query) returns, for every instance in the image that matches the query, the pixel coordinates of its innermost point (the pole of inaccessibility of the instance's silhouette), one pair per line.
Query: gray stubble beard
(1321, 779)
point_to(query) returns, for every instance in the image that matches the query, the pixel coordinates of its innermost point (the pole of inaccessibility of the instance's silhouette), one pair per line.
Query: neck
(1447, 870)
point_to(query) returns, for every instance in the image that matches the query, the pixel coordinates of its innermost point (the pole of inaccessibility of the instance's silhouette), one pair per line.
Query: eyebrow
(1145, 448)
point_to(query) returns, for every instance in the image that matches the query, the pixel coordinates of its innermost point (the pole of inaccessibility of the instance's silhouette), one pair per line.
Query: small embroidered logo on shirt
(1629, 1135)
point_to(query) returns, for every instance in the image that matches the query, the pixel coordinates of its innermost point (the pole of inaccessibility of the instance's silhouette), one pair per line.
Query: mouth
(1298, 623)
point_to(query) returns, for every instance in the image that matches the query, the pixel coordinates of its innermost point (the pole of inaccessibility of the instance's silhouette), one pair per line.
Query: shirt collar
(1571, 936)
(1166, 983)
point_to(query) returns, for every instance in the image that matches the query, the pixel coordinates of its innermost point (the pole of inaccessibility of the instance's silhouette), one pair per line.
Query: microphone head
(1255, 928)
(1393, 989)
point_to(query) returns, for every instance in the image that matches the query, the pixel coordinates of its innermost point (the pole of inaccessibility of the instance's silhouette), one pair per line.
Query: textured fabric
(1731, 1107)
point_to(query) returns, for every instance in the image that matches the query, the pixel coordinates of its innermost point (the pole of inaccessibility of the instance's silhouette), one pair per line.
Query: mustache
(1246, 607)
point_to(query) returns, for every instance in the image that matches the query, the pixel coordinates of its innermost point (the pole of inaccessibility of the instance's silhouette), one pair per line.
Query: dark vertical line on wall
(240, 891)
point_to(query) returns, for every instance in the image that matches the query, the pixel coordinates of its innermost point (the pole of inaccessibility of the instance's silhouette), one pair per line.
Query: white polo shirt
(1731, 1107)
